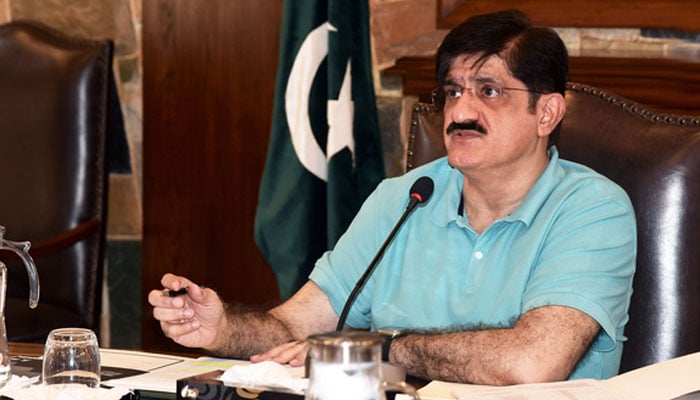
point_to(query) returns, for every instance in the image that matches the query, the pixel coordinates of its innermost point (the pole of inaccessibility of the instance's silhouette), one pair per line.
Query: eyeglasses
(487, 93)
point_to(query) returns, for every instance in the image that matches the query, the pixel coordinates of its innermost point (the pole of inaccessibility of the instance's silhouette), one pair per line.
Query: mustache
(466, 126)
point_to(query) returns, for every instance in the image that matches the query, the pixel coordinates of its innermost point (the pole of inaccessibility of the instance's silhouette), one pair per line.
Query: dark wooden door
(209, 73)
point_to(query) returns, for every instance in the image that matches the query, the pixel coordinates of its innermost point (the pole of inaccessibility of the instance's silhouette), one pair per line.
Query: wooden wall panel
(209, 73)
(663, 84)
(667, 14)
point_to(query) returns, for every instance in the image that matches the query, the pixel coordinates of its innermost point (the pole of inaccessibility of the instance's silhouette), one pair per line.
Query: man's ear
(551, 109)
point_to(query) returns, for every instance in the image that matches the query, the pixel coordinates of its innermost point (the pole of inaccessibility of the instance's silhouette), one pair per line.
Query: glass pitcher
(347, 365)
(22, 250)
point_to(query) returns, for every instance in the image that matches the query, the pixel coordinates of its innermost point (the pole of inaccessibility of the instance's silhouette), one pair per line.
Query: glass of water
(71, 366)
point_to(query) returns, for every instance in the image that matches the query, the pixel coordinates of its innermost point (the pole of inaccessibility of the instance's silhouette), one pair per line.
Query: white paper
(164, 379)
(137, 360)
(440, 390)
(585, 389)
(662, 381)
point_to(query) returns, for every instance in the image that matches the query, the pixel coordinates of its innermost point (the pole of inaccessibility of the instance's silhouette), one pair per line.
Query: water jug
(22, 250)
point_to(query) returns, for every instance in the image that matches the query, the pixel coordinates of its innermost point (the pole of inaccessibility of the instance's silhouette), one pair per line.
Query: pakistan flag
(325, 152)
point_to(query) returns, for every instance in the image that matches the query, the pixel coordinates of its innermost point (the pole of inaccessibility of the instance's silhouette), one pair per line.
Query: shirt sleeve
(338, 271)
(588, 260)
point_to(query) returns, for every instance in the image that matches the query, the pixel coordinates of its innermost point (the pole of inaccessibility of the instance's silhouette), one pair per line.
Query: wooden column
(209, 74)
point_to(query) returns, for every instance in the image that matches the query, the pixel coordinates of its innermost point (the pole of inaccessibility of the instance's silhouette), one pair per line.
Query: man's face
(488, 125)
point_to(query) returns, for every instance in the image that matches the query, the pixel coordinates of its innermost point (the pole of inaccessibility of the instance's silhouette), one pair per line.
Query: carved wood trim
(634, 107)
(663, 84)
(667, 14)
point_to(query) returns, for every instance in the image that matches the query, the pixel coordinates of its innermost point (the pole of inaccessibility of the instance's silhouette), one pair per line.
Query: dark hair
(534, 55)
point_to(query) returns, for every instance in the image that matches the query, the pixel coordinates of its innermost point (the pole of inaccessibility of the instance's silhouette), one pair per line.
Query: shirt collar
(540, 191)
(448, 202)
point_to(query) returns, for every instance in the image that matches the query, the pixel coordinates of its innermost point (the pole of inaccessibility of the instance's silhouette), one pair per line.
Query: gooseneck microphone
(420, 192)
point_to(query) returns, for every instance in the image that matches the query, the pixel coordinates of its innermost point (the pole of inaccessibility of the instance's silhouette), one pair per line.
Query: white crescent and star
(340, 112)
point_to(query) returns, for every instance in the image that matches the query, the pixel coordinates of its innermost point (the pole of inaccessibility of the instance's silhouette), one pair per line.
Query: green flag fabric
(325, 154)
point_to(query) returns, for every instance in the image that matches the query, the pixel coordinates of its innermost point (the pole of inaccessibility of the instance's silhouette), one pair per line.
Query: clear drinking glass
(71, 366)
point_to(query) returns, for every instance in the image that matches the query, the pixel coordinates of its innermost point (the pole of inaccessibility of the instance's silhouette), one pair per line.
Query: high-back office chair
(656, 159)
(54, 93)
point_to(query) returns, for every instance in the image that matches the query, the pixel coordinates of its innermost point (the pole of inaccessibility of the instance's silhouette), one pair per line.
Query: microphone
(420, 192)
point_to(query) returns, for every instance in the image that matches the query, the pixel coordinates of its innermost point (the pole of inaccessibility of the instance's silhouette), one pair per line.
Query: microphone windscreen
(422, 189)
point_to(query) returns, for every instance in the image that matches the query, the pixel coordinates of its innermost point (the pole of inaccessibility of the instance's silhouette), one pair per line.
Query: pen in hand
(175, 293)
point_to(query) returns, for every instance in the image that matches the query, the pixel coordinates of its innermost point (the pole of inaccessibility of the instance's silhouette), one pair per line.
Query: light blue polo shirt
(571, 242)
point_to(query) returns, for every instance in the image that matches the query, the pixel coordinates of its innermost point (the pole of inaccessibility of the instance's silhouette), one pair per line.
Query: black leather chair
(656, 159)
(54, 117)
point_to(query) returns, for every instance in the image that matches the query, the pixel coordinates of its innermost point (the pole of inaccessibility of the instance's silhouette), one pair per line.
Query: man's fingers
(274, 352)
(175, 329)
(175, 282)
(291, 352)
(167, 314)
(300, 359)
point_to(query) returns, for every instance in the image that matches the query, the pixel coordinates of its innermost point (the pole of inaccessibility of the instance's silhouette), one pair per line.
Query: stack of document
(162, 371)
(663, 381)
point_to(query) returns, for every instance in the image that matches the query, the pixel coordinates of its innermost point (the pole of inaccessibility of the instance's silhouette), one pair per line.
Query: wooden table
(26, 349)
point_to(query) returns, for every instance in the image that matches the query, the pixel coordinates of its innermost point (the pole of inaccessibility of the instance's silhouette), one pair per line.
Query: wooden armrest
(61, 241)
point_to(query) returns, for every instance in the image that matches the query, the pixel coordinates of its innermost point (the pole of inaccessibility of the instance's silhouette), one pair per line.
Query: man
(517, 270)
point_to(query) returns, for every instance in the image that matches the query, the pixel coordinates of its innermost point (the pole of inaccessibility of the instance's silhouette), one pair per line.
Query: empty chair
(55, 96)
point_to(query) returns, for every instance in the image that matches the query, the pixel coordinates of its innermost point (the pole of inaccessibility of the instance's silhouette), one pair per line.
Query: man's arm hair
(245, 332)
(545, 344)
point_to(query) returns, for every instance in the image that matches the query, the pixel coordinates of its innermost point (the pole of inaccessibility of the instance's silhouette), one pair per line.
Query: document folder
(208, 387)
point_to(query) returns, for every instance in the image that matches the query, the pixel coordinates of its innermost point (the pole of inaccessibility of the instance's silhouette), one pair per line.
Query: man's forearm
(472, 357)
(544, 345)
(245, 332)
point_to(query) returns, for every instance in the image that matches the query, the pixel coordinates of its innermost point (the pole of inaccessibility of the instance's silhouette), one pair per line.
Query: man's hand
(292, 353)
(199, 318)
(193, 319)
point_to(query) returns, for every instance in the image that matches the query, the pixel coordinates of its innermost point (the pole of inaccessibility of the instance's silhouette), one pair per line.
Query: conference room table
(35, 350)
(26, 349)
(672, 379)
(205, 378)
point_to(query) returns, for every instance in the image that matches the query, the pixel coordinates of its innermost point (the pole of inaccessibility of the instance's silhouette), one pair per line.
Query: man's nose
(465, 108)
